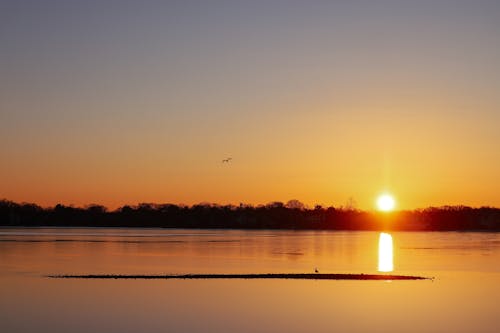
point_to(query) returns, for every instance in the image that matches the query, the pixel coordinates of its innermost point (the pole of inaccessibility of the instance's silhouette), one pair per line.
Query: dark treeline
(276, 215)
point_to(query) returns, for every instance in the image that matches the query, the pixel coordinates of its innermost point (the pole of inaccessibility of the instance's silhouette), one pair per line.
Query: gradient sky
(117, 102)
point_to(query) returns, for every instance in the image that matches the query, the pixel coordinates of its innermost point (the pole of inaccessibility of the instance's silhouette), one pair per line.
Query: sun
(386, 202)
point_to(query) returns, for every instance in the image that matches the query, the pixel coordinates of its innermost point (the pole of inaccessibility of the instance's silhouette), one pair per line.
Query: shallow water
(462, 298)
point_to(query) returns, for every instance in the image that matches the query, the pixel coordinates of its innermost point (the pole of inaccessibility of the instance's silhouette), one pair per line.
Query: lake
(462, 297)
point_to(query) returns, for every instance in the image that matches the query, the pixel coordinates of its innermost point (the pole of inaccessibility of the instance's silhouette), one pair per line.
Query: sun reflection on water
(385, 253)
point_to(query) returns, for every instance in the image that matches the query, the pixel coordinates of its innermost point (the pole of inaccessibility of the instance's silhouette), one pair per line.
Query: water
(462, 297)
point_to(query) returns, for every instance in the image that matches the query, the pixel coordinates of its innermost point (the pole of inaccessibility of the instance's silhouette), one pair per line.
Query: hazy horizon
(292, 204)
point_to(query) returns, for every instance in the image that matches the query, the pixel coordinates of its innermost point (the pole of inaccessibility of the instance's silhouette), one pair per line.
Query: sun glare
(385, 203)
(385, 254)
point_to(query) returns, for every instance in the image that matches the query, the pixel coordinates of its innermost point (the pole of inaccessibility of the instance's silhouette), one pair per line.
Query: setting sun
(385, 202)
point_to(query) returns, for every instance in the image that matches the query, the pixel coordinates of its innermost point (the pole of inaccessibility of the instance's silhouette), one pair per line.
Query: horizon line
(246, 205)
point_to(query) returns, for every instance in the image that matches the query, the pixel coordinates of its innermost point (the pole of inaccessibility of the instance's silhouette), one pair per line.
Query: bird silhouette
(316, 270)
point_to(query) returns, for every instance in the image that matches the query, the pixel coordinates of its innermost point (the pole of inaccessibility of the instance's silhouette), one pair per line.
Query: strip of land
(292, 215)
(300, 276)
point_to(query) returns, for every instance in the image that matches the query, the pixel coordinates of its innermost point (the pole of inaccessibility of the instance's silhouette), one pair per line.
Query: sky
(121, 102)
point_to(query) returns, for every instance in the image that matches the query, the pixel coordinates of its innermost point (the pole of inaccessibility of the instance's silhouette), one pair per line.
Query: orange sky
(315, 103)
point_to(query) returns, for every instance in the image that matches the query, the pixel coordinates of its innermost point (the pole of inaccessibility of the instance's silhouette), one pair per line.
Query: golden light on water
(386, 202)
(385, 253)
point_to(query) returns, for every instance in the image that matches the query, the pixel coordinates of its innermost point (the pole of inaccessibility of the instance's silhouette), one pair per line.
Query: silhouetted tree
(295, 204)
(292, 215)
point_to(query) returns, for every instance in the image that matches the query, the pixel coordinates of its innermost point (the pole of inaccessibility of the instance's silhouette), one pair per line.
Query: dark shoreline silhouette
(292, 215)
(295, 276)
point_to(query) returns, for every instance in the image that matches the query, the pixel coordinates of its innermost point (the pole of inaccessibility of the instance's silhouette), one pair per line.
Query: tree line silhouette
(275, 215)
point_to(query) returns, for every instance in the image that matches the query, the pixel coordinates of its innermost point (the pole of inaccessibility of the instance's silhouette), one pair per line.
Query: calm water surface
(463, 297)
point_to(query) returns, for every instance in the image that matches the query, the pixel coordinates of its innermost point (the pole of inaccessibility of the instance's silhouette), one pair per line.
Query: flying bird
(227, 160)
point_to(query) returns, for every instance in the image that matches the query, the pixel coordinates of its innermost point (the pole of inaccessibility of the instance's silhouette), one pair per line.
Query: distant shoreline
(386, 228)
(273, 216)
(293, 276)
